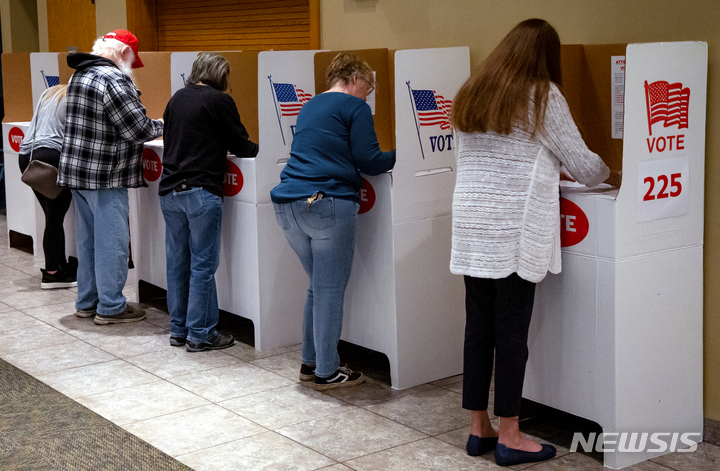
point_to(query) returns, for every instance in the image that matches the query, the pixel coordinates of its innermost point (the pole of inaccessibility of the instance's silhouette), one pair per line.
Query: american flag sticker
(667, 103)
(432, 109)
(290, 98)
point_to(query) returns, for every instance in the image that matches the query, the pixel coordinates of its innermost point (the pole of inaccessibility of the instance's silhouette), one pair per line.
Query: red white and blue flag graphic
(50, 80)
(667, 103)
(290, 98)
(432, 109)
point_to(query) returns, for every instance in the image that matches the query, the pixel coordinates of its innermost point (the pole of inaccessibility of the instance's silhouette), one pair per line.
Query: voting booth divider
(25, 77)
(259, 277)
(617, 336)
(403, 236)
(402, 299)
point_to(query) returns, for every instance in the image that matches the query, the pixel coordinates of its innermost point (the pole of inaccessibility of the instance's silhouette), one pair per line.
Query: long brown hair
(497, 96)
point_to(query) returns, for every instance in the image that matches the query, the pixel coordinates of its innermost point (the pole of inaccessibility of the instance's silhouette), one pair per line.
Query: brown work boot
(130, 314)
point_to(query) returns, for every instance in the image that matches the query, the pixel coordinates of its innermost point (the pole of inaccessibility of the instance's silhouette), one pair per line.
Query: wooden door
(71, 23)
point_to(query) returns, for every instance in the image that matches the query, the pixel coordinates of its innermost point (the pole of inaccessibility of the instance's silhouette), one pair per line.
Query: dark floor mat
(42, 429)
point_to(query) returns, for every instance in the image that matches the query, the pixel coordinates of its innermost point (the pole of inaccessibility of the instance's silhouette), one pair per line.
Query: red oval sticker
(233, 179)
(152, 166)
(16, 136)
(574, 224)
(367, 196)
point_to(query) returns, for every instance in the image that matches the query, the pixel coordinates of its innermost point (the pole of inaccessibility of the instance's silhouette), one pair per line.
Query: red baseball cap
(126, 37)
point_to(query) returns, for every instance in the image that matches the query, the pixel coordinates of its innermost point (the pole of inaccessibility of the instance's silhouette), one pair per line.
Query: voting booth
(259, 276)
(25, 77)
(617, 336)
(402, 299)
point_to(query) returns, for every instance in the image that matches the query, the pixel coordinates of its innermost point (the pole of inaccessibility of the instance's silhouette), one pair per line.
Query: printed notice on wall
(618, 96)
(371, 97)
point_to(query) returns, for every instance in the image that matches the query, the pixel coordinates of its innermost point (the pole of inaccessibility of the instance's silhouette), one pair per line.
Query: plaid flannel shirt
(105, 128)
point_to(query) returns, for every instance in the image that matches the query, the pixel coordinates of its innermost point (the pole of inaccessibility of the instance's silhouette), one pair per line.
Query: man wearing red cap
(105, 129)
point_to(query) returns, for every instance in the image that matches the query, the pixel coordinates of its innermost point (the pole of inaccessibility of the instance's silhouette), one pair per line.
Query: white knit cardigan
(506, 205)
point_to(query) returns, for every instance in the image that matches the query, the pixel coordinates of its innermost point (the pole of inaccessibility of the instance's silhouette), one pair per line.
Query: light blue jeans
(323, 236)
(192, 254)
(103, 243)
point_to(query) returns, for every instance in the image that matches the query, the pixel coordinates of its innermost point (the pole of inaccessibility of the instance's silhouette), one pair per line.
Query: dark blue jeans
(192, 253)
(498, 314)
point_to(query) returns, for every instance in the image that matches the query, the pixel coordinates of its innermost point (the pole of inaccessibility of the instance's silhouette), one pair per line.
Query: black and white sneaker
(59, 279)
(307, 372)
(344, 377)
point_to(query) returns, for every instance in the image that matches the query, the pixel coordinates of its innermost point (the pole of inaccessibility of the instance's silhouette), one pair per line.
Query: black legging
(55, 210)
(498, 316)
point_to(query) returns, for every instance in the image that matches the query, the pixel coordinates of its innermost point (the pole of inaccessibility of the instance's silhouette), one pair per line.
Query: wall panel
(204, 25)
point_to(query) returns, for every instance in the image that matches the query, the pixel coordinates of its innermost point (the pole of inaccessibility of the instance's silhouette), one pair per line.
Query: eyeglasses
(370, 87)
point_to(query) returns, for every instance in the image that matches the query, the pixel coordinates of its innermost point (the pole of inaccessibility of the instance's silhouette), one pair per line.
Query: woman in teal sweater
(316, 204)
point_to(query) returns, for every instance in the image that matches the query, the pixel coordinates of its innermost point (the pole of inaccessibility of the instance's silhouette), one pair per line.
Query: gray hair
(211, 69)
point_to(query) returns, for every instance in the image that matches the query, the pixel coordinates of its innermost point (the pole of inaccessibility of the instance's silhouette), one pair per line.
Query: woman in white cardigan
(513, 130)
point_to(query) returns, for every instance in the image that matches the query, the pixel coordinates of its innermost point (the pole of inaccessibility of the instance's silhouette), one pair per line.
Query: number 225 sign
(663, 189)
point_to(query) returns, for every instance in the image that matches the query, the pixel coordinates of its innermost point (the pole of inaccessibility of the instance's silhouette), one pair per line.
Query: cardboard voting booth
(259, 276)
(402, 299)
(617, 336)
(25, 78)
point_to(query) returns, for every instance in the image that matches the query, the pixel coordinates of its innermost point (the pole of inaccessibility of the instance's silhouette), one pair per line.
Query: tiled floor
(237, 408)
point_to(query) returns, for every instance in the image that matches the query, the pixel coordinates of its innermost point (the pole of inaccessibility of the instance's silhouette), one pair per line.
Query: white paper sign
(618, 96)
(663, 189)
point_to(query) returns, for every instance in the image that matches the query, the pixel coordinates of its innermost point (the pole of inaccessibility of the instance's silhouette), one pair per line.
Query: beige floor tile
(58, 357)
(194, 429)
(129, 340)
(265, 451)
(55, 314)
(286, 406)
(351, 434)
(17, 320)
(286, 365)
(447, 381)
(706, 456)
(26, 340)
(336, 467)
(141, 402)
(248, 353)
(178, 362)
(158, 318)
(97, 379)
(373, 392)
(227, 382)
(432, 412)
(429, 454)
(25, 293)
(570, 462)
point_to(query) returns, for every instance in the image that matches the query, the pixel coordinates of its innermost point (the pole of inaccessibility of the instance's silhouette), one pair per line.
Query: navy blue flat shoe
(505, 456)
(477, 446)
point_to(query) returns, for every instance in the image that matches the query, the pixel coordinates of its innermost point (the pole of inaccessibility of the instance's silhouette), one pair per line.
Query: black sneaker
(130, 314)
(342, 378)
(218, 342)
(177, 341)
(59, 279)
(307, 372)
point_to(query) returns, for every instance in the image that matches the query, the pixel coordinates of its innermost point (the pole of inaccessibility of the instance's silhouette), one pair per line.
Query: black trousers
(55, 210)
(498, 314)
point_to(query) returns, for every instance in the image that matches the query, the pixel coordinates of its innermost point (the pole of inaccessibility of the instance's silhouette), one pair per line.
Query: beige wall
(356, 24)
(19, 25)
(110, 15)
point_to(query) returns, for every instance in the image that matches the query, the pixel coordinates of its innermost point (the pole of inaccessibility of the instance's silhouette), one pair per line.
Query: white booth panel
(290, 70)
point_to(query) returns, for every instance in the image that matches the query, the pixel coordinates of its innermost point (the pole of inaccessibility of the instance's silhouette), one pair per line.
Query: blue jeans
(103, 243)
(192, 254)
(323, 236)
